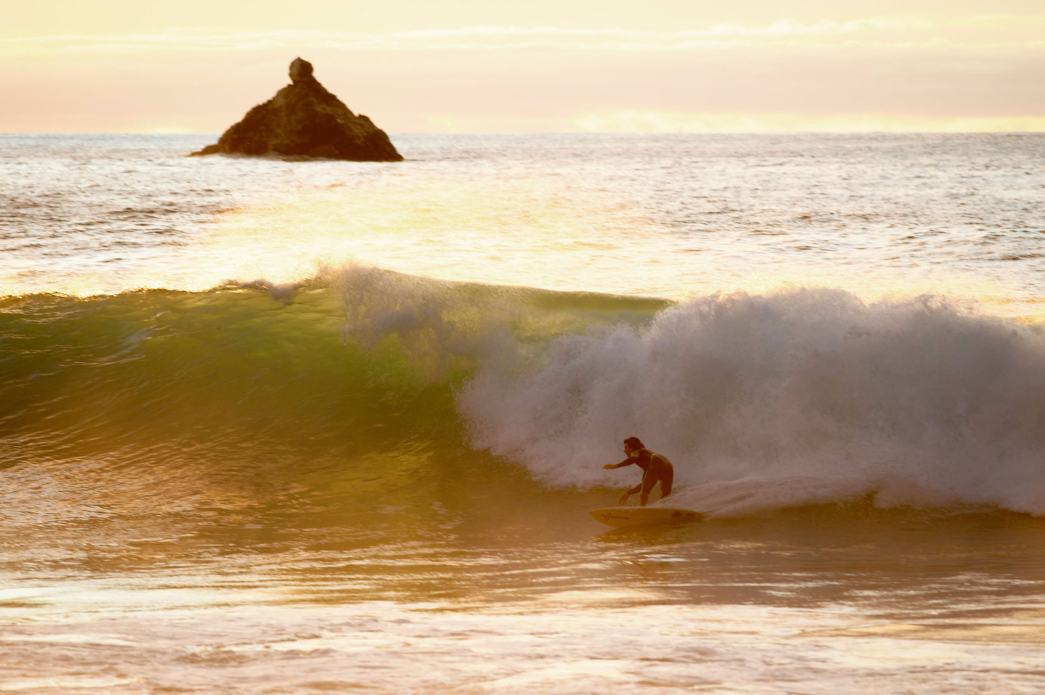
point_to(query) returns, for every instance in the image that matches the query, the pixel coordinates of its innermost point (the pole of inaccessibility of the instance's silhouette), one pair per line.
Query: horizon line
(562, 132)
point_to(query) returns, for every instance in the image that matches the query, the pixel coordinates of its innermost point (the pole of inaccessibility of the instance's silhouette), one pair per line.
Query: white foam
(801, 396)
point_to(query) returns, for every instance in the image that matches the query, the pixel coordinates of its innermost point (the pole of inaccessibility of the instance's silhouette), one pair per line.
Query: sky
(196, 66)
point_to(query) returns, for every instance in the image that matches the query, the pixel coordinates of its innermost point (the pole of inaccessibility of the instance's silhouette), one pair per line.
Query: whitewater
(297, 427)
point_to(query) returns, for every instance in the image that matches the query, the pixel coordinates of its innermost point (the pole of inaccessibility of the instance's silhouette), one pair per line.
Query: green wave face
(312, 404)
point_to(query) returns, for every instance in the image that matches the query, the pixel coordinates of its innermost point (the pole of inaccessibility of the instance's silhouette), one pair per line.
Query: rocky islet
(305, 120)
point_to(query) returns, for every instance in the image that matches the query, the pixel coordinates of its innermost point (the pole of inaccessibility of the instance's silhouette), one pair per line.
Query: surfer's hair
(634, 443)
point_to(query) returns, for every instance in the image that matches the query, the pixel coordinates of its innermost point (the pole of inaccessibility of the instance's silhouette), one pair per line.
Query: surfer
(655, 469)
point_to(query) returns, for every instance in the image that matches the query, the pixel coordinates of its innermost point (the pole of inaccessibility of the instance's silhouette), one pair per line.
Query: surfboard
(624, 517)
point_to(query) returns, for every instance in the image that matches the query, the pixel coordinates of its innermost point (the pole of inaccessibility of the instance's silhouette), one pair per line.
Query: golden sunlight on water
(829, 600)
(669, 217)
(527, 233)
(522, 232)
(534, 231)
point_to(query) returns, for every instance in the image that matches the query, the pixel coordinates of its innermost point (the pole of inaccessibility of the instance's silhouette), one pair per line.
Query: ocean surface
(306, 427)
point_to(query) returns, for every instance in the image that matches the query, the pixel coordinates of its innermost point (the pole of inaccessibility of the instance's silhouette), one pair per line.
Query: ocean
(305, 427)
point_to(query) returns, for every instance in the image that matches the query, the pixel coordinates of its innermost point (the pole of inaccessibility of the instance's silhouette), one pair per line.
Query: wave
(341, 389)
(369, 380)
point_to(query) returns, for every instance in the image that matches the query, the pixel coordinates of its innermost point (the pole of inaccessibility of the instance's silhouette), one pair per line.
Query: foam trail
(798, 397)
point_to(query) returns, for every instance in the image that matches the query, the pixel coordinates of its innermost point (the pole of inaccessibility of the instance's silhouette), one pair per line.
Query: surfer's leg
(666, 479)
(648, 481)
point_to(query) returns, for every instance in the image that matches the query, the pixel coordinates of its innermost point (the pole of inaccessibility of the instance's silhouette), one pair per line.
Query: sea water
(276, 426)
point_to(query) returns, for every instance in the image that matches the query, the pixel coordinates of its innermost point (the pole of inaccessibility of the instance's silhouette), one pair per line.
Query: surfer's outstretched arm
(626, 462)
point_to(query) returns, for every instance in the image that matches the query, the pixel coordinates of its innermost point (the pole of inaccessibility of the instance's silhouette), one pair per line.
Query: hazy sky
(535, 66)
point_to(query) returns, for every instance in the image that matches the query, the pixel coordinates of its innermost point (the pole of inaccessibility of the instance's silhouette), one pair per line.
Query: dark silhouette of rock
(305, 120)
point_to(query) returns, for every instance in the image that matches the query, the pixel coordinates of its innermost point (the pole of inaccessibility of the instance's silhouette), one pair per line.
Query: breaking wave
(799, 397)
(370, 378)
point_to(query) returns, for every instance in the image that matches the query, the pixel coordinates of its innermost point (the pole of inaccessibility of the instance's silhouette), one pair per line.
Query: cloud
(985, 32)
(929, 73)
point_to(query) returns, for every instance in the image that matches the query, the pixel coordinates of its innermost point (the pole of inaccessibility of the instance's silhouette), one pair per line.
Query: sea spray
(805, 395)
(447, 328)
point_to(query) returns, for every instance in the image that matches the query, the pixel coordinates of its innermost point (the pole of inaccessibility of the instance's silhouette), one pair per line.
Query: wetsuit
(655, 469)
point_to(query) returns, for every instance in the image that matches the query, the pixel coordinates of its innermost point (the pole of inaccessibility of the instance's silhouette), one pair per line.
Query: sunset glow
(587, 67)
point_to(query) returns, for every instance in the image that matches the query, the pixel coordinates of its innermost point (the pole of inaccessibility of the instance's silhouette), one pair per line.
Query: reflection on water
(888, 562)
(829, 599)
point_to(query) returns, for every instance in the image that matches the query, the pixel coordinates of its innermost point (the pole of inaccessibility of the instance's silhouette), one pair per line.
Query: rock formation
(305, 120)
